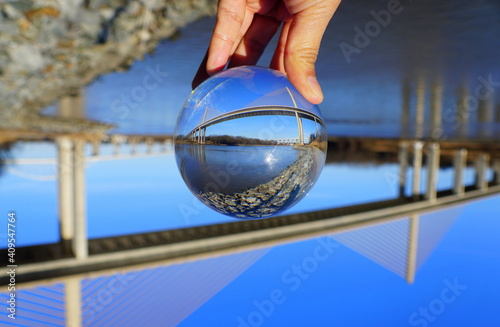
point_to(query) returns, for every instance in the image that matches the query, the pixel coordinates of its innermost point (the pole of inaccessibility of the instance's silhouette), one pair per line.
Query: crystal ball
(248, 144)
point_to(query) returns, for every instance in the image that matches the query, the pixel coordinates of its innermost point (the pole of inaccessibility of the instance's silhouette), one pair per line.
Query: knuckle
(304, 54)
(227, 13)
(223, 38)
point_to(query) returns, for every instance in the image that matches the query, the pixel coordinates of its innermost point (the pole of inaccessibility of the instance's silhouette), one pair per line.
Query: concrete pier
(73, 105)
(432, 172)
(150, 143)
(132, 141)
(482, 163)
(300, 129)
(66, 189)
(72, 195)
(73, 301)
(80, 238)
(417, 167)
(116, 140)
(403, 167)
(411, 266)
(96, 146)
(459, 165)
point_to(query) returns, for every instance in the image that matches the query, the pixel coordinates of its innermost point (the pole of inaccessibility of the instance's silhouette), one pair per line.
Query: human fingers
(230, 18)
(277, 62)
(255, 41)
(202, 73)
(302, 44)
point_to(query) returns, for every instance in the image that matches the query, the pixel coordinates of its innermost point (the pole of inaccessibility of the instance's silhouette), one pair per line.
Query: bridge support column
(459, 164)
(432, 172)
(66, 191)
(403, 167)
(80, 240)
(417, 168)
(133, 145)
(72, 196)
(115, 140)
(481, 168)
(412, 248)
(150, 142)
(73, 301)
(96, 144)
(72, 105)
(300, 129)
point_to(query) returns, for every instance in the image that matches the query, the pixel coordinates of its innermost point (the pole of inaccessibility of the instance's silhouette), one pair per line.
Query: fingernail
(216, 63)
(315, 88)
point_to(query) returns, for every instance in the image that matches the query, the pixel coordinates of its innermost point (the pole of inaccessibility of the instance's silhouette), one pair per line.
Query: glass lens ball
(248, 144)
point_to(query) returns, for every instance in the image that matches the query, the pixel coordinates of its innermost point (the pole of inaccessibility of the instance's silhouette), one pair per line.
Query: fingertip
(216, 62)
(315, 95)
(306, 83)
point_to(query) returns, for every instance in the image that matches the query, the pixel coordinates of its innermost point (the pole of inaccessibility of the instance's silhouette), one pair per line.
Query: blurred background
(400, 229)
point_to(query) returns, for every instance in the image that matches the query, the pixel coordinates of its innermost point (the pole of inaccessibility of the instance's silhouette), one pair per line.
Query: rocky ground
(269, 198)
(50, 48)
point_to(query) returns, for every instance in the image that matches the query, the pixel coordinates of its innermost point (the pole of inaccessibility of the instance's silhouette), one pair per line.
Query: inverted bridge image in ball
(248, 144)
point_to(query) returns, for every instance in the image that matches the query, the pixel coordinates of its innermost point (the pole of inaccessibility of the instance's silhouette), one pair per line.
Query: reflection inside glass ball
(248, 145)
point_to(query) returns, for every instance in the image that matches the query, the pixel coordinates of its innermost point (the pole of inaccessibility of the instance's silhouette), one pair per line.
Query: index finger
(230, 16)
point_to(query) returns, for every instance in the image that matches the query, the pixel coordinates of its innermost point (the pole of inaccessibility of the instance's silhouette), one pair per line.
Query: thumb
(302, 44)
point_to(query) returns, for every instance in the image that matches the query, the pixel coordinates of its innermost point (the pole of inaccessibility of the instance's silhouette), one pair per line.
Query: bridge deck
(257, 111)
(50, 261)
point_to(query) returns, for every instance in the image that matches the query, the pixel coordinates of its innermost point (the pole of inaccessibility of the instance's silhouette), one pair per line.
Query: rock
(48, 47)
(11, 12)
(107, 13)
(40, 13)
(8, 28)
(25, 58)
(70, 9)
(133, 8)
(152, 4)
(90, 23)
(268, 198)
(50, 32)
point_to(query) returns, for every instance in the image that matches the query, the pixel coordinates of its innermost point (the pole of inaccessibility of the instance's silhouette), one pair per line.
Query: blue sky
(348, 289)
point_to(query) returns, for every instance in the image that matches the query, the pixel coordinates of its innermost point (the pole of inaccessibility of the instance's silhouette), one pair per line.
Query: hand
(245, 27)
